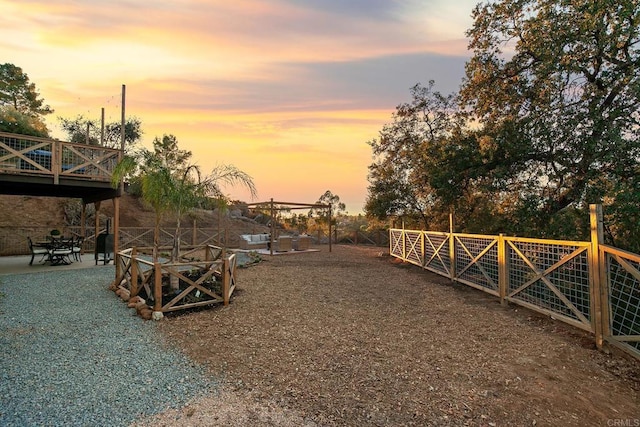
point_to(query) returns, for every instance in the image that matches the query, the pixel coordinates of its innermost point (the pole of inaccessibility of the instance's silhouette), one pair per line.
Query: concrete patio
(20, 264)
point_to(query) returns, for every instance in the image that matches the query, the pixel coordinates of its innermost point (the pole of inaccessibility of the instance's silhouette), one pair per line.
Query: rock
(146, 314)
(125, 295)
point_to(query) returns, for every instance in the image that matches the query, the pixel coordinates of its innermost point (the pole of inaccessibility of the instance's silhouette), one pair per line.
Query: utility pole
(102, 128)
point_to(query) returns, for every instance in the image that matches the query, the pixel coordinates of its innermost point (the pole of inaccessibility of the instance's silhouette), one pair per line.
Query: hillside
(52, 212)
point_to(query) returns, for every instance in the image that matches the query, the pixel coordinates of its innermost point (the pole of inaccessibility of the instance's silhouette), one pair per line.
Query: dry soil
(354, 338)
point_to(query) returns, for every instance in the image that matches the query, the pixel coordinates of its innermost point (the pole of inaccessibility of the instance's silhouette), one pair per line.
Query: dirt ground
(355, 338)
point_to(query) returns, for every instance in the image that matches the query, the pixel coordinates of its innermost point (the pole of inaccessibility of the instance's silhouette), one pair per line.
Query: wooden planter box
(170, 286)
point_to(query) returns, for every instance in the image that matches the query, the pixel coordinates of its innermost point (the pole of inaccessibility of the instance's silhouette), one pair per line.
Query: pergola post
(273, 228)
(330, 234)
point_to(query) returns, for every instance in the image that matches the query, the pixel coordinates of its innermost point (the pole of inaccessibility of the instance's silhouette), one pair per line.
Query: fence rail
(14, 240)
(592, 287)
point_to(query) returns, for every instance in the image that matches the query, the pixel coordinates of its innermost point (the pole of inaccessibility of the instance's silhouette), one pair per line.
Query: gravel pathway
(73, 354)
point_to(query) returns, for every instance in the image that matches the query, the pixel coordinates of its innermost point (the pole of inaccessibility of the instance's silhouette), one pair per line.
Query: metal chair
(76, 248)
(61, 251)
(37, 250)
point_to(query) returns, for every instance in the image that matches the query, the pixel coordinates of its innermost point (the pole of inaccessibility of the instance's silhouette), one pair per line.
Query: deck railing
(30, 155)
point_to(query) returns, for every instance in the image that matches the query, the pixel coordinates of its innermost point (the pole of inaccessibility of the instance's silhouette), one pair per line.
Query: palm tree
(178, 190)
(191, 190)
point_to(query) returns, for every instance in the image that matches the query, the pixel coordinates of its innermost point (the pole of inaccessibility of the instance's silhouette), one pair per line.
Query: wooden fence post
(422, 249)
(134, 273)
(452, 249)
(503, 270)
(599, 296)
(157, 287)
(194, 235)
(404, 243)
(225, 281)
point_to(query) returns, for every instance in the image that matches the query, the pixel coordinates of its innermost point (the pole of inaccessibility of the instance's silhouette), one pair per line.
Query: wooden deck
(45, 167)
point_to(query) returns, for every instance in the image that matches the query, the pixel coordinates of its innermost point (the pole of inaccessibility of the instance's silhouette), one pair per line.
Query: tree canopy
(13, 121)
(17, 91)
(76, 130)
(547, 121)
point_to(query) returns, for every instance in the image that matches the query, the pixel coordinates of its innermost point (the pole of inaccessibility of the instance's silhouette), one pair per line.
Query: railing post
(422, 252)
(599, 296)
(134, 272)
(225, 281)
(452, 249)
(193, 234)
(503, 270)
(56, 164)
(157, 287)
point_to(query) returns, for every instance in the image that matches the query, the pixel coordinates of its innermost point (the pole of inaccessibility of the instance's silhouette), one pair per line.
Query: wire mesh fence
(623, 284)
(562, 279)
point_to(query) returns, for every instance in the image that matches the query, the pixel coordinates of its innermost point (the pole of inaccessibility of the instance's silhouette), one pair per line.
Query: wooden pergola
(273, 207)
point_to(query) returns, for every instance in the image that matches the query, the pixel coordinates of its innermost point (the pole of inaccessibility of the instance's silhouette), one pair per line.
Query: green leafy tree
(166, 148)
(322, 216)
(555, 86)
(405, 153)
(298, 222)
(76, 130)
(17, 91)
(13, 121)
(553, 93)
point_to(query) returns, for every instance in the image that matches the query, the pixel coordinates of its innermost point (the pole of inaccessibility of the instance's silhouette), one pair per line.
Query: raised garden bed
(202, 276)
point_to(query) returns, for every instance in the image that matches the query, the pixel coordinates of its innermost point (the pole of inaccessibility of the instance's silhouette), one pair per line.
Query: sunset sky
(289, 91)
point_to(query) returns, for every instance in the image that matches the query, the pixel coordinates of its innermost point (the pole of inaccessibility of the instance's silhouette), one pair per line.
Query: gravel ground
(72, 354)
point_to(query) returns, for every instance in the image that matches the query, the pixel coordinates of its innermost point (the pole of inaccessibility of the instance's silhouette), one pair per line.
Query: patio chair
(62, 250)
(76, 248)
(37, 250)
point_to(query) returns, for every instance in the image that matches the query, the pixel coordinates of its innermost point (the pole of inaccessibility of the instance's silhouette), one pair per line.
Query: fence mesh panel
(484, 271)
(624, 299)
(396, 242)
(571, 279)
(37, 153)
(87, 161)
(413, 247)
(436, 252)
